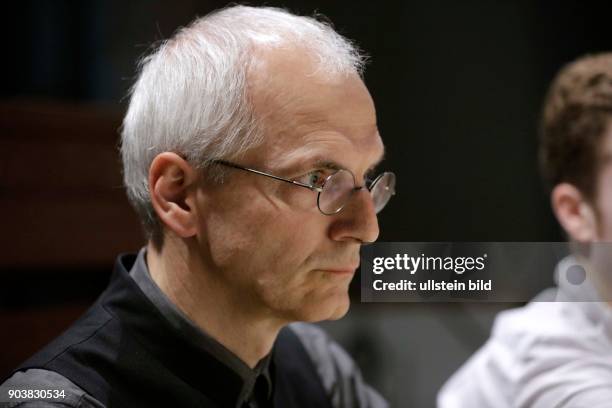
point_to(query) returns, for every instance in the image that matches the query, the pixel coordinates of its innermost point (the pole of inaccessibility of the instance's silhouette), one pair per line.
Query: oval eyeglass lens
(382, 190)
(336, 192)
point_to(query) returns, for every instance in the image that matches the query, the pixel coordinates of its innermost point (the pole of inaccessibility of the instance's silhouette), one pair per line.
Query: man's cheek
(297, 199)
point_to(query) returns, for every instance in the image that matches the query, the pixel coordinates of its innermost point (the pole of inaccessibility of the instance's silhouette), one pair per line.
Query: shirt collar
(182, 323)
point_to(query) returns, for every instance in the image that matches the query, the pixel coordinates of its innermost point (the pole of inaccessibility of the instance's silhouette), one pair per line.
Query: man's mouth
(341, 270)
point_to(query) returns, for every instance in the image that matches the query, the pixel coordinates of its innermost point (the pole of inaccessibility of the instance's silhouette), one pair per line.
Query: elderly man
(248, 147)
(557, 350)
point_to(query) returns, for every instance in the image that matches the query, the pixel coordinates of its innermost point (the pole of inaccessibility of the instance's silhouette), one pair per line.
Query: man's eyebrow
(324, 162)
(314, 163)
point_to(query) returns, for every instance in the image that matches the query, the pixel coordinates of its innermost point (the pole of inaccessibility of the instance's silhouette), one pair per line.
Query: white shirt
(554, 352)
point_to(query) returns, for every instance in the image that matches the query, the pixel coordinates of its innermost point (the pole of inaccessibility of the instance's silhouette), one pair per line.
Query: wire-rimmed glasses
(337, 188)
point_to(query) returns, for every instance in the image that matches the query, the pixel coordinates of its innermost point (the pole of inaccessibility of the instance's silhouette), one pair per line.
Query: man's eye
(315, 178)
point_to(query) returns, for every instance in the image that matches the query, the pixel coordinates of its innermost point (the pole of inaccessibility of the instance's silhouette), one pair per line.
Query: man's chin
(339, 312)
(331, 309)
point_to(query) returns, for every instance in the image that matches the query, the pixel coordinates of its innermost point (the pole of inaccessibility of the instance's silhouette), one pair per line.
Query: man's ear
(171, 182)
(574, 213)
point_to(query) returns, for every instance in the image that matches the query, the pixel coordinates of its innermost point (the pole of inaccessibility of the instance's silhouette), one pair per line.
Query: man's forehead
(307, 115)
(328, 149)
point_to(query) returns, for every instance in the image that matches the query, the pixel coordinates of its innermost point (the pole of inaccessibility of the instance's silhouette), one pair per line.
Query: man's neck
(211, 305)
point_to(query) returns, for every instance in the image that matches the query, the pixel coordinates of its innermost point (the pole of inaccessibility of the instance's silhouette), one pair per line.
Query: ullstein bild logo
(412, 264)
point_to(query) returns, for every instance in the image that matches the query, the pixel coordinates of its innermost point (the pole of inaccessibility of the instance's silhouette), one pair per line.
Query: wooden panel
(61, 191)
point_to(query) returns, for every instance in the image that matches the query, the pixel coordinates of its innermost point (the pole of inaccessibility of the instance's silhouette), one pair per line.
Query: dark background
(458, 88)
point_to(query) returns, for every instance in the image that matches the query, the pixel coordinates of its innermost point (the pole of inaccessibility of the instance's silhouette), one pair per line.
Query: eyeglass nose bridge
(369, 186)
(348, 198)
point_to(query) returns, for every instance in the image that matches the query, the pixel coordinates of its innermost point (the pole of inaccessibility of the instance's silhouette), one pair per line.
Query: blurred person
(557, 350)
(247, 147)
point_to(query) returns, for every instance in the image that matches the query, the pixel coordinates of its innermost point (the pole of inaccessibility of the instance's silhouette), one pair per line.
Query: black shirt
(340, 377)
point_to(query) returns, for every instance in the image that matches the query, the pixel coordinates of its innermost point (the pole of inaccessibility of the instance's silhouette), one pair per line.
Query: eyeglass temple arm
(297, 183)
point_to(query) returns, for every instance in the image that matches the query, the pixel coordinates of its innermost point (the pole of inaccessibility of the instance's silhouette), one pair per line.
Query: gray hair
(191, 95)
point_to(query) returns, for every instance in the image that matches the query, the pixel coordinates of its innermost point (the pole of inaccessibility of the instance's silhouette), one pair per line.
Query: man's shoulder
(550, 333)
(542, 346)
(86, 329)
(36, 387)
(552, 323)
(339, 374)
(40, 371)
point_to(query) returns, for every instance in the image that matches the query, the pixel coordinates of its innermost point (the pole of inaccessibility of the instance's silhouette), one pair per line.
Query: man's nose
(357, 221)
